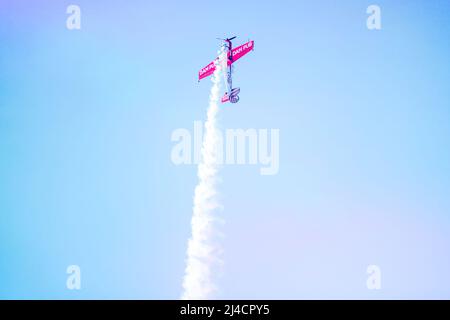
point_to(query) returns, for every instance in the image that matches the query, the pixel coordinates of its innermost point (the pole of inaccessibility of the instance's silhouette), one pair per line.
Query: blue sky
(86, 177)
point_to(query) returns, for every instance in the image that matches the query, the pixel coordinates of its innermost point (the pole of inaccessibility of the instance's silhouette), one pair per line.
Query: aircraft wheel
(234, 98)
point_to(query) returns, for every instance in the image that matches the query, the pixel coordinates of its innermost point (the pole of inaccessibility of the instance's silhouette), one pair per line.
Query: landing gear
(234, 98)
(234, 95)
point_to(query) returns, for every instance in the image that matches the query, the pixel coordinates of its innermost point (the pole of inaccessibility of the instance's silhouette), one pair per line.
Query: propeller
(228, 39)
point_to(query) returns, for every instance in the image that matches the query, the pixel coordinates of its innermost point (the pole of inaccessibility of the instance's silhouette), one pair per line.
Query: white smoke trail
(202, 254)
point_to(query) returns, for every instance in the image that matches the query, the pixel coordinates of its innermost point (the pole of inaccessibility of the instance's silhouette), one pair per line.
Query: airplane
(233, 54)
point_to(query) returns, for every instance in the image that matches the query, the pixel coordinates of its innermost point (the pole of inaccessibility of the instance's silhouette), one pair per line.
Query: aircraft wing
(238, 53)
(207, 71)
(241, 51)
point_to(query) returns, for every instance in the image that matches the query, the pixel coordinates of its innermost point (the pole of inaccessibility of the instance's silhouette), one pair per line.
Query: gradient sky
(86, 177)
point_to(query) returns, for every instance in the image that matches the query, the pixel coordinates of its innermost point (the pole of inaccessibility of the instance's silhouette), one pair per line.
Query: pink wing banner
(241, 51)
(207, 71)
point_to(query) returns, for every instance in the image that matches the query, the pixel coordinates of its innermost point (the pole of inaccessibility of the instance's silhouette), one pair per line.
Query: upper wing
(241, 51)
(207, 71)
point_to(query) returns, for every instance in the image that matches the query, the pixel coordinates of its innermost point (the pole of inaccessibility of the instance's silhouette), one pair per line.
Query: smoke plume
(203, 254)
